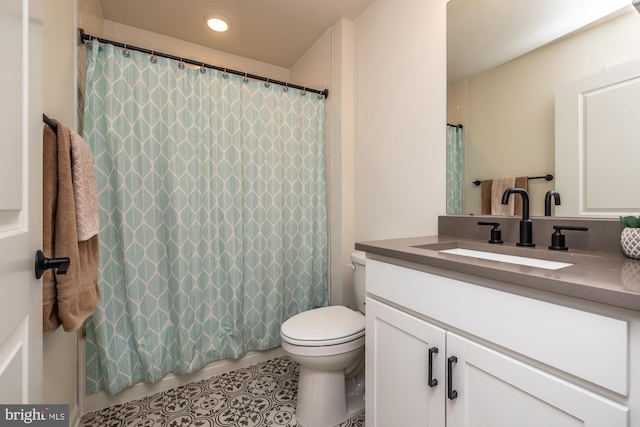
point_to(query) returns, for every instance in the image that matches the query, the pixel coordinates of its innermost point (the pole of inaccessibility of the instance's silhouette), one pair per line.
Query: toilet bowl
(328, 343)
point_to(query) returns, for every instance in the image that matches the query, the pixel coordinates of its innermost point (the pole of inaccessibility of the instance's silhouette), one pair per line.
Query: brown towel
(67, 299)
(84, 188)
(485, 194)
(485, 189)
(498, 188)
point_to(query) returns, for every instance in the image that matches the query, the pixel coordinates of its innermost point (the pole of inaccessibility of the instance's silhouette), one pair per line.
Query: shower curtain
(455, 169)
(213, 214)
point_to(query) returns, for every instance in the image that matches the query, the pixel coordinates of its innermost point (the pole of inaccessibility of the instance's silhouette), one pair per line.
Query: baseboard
(100, 400)
(74, 417)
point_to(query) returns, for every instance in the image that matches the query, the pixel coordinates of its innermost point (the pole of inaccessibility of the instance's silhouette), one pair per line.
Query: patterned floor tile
(261, 395)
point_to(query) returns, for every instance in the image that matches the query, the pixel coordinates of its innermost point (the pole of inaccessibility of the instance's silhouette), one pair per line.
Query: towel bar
(546, 178)
(50, 122)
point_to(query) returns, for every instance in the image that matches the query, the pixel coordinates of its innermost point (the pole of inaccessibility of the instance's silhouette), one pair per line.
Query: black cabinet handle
(432, 381)
(451, 392)
(43, 263)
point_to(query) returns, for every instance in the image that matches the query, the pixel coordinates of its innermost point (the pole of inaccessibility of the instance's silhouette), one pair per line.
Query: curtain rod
(87, 37)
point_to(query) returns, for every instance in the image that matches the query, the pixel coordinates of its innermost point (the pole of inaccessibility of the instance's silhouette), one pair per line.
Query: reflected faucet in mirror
(526, 225)
(547, 201)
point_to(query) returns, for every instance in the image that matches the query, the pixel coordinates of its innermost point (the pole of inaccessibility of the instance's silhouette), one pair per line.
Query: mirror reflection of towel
(498, 187)
(485, 189)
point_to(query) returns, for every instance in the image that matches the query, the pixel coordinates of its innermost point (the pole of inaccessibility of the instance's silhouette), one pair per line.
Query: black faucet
(547, 201)
(526, 226)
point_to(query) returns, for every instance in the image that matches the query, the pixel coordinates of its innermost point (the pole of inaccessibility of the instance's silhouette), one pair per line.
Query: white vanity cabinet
(397, 369)
(507, 380)
(499, 391)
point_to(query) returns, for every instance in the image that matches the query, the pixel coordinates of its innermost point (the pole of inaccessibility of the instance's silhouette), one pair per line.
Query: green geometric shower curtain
(213, 215)
(455, 170)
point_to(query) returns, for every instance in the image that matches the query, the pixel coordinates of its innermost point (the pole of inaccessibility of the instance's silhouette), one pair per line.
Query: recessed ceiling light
(217, 23)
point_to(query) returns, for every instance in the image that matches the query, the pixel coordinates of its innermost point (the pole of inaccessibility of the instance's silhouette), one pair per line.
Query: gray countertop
(604, 277)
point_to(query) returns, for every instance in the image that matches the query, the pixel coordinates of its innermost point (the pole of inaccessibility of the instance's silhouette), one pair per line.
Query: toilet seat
(324, 326)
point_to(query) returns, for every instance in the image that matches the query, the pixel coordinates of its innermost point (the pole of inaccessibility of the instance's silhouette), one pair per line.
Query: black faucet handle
(496, 233)
(559, 228)
(558, 238)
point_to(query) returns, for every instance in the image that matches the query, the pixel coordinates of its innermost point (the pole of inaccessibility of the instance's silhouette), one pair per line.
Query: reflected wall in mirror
(507, 107)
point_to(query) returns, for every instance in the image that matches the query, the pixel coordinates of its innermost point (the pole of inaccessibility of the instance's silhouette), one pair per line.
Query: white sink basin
(509, 259)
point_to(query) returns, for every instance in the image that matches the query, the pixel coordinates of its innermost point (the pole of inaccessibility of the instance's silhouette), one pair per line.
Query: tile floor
(257, 396)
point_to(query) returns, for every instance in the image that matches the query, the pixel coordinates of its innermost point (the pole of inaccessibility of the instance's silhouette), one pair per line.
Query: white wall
(59, 102)
(457, 103)
(510, 129)
(343, 162)
(154, 41)
(400, 98)
(90, 17)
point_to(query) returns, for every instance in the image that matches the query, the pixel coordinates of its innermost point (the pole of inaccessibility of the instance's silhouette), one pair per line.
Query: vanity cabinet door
(399, 348)
(498, 391)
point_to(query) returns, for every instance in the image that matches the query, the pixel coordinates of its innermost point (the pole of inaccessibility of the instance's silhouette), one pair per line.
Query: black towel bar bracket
(548, 177)
(50, 123)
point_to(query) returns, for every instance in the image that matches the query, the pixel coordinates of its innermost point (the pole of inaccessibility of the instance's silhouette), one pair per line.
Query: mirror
(506, 59)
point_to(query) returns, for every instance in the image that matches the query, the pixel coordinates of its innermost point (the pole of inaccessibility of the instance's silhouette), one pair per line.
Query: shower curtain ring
(304, 91)
(126, 52)
(267, 84)
(245, 79)
(153, 58)
(181, 64)
(202, 69)
(224, 74)
(286, 87)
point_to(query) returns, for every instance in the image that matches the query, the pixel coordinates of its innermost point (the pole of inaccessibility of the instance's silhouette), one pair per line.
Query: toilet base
(322, 398)
(355, 405)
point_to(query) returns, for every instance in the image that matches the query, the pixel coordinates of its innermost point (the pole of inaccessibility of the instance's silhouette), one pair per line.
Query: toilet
(328, 343)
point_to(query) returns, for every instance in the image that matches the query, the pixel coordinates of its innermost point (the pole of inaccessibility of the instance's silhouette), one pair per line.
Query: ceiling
(276, 32)
(482, 34)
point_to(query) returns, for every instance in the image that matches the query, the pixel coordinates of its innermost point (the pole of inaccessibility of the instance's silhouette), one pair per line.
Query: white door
(20, 201)
(597, 146)
(399, 348)
(498, 391)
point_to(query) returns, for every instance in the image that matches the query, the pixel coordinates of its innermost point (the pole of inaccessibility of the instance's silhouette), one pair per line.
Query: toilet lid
(324, 326)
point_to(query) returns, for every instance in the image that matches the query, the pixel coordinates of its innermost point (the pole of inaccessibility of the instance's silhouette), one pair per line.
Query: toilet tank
(358, 261)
